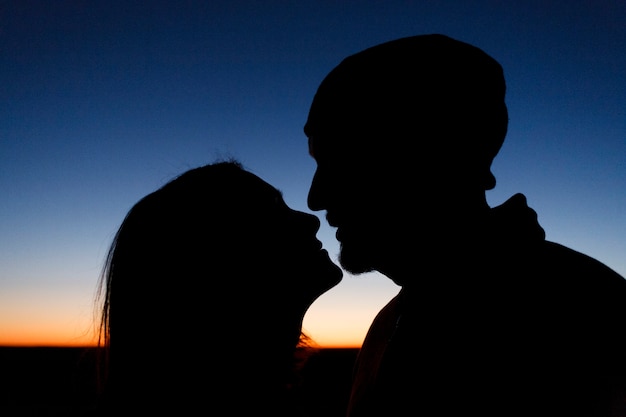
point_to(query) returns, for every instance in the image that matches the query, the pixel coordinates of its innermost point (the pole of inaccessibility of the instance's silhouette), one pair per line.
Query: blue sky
(102, 102)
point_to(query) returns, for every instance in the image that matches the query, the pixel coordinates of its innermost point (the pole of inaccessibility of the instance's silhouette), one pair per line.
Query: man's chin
(355, 261)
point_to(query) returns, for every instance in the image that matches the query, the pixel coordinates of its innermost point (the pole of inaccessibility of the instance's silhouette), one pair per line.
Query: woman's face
(288, 246)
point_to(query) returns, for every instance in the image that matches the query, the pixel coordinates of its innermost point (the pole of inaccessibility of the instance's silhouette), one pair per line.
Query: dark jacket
(514, 326)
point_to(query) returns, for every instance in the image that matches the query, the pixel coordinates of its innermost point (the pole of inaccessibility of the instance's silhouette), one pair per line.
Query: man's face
(353, 189)
(384, 203)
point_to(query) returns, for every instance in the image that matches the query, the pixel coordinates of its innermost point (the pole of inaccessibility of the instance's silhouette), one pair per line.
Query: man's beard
(356, 258)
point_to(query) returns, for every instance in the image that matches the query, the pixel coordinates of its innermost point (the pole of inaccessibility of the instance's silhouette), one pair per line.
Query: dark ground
(59, 382)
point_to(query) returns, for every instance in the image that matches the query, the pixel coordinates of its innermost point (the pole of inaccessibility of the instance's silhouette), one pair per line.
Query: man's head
(401, 131)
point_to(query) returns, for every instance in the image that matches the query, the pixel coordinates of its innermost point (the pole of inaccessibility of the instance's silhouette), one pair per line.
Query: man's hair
(432, 89)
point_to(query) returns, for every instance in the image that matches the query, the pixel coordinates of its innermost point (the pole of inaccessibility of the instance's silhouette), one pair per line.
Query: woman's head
(213, 255)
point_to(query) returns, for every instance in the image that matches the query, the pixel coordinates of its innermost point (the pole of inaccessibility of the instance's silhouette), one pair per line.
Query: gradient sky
(102, 102)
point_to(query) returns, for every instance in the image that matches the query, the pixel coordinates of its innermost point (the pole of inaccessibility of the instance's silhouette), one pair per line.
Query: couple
(209, 277)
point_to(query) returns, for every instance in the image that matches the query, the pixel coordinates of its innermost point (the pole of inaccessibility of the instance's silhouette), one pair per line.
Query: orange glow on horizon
(46, 339)
(45, 320)
(52, 343)
(50, 331)
(29, 334)
(343, 346)
(36, 336)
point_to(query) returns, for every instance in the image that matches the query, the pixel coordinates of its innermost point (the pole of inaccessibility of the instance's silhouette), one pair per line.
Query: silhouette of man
(491, 319)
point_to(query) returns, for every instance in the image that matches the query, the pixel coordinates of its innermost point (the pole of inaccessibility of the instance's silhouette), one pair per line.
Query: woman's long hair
(165, 286)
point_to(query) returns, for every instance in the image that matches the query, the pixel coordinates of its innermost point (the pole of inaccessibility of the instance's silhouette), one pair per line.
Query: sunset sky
(102, 102)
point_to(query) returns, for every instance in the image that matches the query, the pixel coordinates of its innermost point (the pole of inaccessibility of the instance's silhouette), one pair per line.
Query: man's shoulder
(563, 257)
(388, 315)
(572, 276)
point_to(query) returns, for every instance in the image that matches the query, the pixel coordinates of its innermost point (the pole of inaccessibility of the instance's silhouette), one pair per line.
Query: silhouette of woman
(203, 294)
